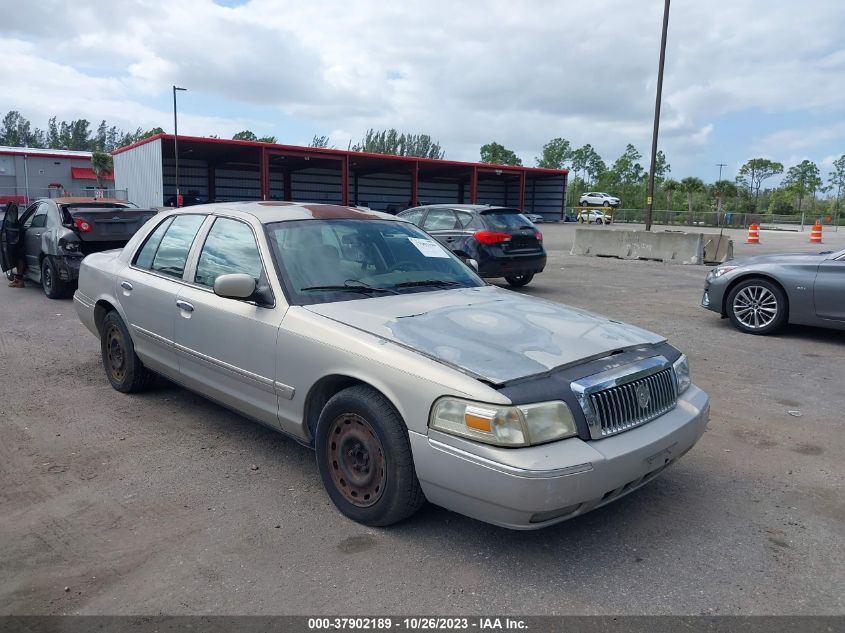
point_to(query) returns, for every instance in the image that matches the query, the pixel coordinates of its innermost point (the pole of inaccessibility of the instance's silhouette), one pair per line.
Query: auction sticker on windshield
(429, 248)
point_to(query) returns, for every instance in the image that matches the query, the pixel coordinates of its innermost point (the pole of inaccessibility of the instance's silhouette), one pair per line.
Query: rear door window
(171, 252)
(440, 220)
(144, 258)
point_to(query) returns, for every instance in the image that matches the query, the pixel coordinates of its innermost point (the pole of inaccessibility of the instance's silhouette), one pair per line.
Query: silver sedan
(356, 333)
(760, 294)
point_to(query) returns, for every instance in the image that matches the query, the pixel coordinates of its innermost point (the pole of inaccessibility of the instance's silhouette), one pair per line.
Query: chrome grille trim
(610, 401)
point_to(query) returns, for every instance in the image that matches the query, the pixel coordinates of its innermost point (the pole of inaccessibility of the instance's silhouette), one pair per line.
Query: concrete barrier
(665, 246)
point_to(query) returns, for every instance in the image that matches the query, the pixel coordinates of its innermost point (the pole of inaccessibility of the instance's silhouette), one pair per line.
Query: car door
(34, 226)
(148, 288)
(9, 235)
(442, 225)
(226, 347)
(829, 289)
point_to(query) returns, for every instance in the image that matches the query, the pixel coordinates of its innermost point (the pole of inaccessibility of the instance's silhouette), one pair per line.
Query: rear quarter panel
(97, 276)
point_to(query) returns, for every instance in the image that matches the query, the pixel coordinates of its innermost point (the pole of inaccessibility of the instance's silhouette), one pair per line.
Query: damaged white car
(358, 334)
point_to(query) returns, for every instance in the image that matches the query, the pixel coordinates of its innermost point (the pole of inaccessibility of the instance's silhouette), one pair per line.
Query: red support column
(344, 181)
(473, 186)
(415, 183)
(522, 190)
(264, 175)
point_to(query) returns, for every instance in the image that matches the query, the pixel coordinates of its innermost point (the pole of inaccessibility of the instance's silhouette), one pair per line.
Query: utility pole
(650, 201)
(720, 165)
(176, 146)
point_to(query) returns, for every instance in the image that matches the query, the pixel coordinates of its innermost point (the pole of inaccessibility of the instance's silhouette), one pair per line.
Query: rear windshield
(506, 219)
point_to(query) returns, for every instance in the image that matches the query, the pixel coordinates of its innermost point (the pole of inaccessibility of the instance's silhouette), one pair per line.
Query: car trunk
(103, 227)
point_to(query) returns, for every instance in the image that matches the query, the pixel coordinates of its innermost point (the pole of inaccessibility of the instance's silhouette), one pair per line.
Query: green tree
(722, 189)
(585, 160)
(691, 186)
(803, 179)
(245, 135)
(754, 172)
(836, 180)
(102, 164)
(627, 169)
(15, 130)
(268, 139)
(320, 141)
(498, 154)
(661, 167)
(399, 144)
(556, 153)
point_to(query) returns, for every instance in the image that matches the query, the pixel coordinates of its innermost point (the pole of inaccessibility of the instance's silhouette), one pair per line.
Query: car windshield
(337, 260)
(506, 219)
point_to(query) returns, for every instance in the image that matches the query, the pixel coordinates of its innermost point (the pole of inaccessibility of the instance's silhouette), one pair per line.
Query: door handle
(126, 285)
(184, 305)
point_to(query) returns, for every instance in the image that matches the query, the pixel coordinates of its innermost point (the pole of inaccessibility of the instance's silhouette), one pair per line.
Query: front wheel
(518, 281)
(606, 204)
(599, 221)
(124, 369)
(53, 286)
(757, 306)
(364, 458)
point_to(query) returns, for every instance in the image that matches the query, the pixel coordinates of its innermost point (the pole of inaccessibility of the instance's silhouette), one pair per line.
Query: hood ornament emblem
(643, 396)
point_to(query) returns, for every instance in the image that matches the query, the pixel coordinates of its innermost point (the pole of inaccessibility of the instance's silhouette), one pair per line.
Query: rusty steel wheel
(357, 460)
(124, 369)
(364, 457)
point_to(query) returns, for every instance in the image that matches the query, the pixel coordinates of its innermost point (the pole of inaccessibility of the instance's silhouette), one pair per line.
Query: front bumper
(537, 486)
(712, 297)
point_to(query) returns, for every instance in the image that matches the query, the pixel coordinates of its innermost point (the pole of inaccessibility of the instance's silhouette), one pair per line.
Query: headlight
(682, 377)
(719, 271)
(518, 425)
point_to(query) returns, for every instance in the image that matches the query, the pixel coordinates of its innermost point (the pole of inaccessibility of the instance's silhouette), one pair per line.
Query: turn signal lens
(503, 425)
(83, 225)
(539, 236)
(492, 237)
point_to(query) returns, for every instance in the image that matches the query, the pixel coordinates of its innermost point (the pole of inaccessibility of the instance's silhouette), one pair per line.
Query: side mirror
(466, 259)
(234, 286)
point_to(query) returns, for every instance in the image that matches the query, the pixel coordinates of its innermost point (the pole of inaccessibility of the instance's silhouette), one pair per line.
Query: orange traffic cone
(753, 235)
(816, 233)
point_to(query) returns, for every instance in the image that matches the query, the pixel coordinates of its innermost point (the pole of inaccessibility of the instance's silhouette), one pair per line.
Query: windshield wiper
(355, 286)
(438, 283)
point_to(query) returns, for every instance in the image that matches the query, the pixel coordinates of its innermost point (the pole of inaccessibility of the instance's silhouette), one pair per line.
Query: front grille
(621, 408)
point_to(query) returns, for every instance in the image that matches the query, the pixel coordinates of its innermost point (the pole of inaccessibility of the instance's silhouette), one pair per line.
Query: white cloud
(466, 73)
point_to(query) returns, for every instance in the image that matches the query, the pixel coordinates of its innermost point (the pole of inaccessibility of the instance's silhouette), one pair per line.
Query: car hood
(487, 332)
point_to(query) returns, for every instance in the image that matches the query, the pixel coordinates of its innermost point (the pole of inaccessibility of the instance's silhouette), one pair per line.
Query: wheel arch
(753, 275)
(101, 309)
(327, 387)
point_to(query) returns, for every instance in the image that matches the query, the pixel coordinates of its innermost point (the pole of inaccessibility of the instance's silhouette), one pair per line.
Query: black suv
(496, 241)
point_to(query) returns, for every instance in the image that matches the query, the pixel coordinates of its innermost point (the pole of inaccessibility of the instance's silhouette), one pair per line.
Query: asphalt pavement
(165, 503)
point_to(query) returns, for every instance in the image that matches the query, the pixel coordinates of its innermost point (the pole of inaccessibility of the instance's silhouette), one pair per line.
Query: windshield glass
(338, 260)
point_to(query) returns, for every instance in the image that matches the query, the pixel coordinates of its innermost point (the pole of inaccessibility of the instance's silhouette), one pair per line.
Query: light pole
(176, 145)
(720, 165)
(650, 201)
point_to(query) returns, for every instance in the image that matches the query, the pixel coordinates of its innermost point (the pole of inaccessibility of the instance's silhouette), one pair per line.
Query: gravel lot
(167, 503)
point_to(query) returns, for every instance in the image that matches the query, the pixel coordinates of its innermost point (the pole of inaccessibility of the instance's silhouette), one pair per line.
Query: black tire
(606, 204)
(364, 458)
(751, 301)
(124, 369)
(53, 286)
(520, 280)
(599, 221)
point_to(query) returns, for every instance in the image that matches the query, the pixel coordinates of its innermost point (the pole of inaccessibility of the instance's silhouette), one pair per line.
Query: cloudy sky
(744, 78)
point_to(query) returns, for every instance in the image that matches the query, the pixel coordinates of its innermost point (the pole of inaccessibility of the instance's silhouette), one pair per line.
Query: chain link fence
(727, 219)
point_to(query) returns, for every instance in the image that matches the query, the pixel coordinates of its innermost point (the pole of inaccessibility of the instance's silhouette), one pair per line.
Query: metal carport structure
(225, 170)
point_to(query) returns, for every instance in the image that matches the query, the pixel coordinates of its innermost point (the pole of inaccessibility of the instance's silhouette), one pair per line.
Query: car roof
(84, 200)
(269, 211)
(468, 207)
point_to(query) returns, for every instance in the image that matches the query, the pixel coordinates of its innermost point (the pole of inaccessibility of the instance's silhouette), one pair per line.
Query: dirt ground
(164, 503)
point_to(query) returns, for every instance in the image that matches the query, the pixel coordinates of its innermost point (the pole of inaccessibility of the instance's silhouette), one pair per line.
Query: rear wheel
(599, 221)
(53, 286)
(364, 458)
(124, 369)
(518, 281)
(756, 306)
(606, 204)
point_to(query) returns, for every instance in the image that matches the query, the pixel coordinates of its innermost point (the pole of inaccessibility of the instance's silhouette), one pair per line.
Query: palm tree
(102, 164)
(690, 186)
(721, 189)
(670, 187)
